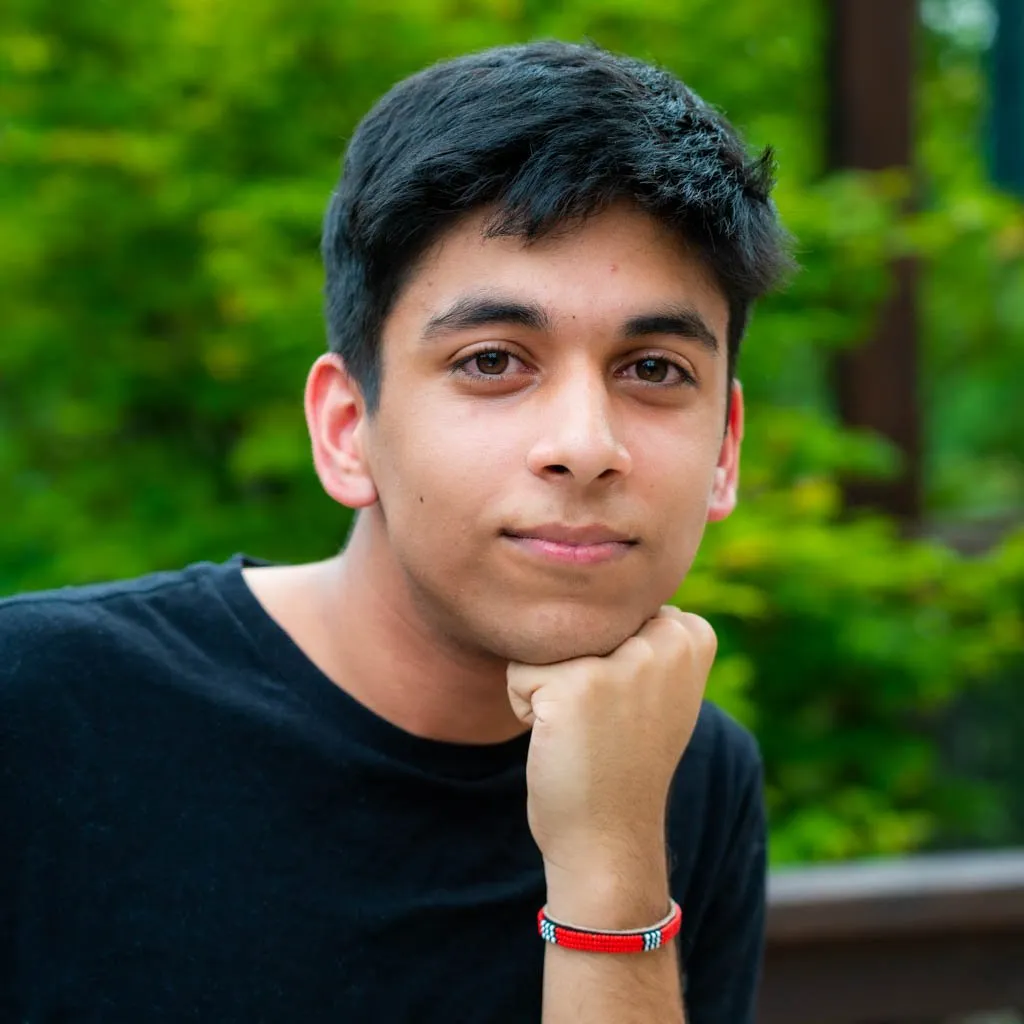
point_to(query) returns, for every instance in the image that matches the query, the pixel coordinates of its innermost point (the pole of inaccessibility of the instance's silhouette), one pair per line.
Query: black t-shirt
(197, 825)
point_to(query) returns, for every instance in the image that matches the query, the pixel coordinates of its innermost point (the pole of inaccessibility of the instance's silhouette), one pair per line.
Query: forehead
(614, 265)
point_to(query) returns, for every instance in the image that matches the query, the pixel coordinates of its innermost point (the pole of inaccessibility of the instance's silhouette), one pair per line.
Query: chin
(550, 638)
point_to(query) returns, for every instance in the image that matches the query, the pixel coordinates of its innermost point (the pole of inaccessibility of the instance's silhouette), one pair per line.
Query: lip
(559, 533)
(573, 545)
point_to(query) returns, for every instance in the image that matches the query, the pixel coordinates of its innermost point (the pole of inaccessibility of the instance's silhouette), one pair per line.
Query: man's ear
(727, 472)
(337, 421)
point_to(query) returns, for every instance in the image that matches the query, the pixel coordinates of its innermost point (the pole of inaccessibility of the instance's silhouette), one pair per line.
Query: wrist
(607, 895)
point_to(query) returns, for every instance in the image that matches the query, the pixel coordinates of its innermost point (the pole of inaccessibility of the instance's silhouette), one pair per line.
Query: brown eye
(654, 371)
(491, 362)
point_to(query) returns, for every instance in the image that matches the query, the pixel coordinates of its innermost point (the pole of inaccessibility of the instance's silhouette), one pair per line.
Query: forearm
(607, 735)
(611, 988)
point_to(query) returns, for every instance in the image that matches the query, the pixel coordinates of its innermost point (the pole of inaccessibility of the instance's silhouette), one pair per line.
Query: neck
(366, 631)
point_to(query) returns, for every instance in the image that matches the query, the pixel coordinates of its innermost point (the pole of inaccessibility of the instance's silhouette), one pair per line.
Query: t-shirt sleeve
(45, 646)
(20, 803)
(723, 970)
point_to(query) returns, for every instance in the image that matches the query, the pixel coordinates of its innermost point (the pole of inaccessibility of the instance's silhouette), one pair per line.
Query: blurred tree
(164, 169)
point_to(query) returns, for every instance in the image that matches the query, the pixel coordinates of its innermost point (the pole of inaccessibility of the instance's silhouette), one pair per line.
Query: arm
(602, 987)
(724, 966)
(607, 737)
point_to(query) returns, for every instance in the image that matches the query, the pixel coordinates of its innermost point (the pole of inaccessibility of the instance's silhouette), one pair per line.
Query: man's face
(551, 419)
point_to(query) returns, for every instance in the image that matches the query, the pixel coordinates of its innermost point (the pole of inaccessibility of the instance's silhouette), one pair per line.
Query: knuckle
(515, 675)
(582, 676)
(522, 680)
(671, 613)
(698, 628)
(638, 650)
(706, 636)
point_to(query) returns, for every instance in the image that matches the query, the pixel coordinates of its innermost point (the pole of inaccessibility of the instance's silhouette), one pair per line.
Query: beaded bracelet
(642, 940)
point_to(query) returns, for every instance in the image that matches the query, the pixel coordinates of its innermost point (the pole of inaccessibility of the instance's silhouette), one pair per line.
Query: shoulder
(718, 793)
(718, 837)
(49, 638)
(722, 749)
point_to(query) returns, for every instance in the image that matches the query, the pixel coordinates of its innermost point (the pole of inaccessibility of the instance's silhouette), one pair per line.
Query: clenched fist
(607, 737)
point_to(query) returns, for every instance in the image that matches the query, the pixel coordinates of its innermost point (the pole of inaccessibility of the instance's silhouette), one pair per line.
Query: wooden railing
(910, 941)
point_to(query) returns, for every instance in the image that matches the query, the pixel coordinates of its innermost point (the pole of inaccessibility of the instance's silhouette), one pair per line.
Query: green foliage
(843, 645)
(164, 169)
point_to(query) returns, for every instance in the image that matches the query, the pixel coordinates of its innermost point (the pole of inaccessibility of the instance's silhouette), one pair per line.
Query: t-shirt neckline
(295, 670)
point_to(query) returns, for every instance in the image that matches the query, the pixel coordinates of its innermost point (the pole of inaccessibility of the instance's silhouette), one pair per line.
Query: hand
(608, 734)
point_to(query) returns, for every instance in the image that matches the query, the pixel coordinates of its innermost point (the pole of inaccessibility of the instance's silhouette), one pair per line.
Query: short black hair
(548, 133)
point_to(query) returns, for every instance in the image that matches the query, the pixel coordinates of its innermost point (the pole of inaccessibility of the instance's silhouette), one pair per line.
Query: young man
(344, 791)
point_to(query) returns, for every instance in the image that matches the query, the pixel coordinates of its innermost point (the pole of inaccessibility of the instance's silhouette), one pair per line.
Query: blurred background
(164, 167)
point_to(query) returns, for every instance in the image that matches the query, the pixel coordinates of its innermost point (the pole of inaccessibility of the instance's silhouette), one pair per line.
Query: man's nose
(578, 435)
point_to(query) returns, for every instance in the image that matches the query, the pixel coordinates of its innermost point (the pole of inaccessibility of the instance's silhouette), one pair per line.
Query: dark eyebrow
(681, 321)
(482, 311)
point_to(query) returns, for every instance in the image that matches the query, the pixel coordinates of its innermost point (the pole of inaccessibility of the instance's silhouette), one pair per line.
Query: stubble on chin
(536, 645)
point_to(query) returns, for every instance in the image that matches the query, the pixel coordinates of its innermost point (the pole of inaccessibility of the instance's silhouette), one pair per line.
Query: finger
(523, 683)
(700, 632)
(697, 626)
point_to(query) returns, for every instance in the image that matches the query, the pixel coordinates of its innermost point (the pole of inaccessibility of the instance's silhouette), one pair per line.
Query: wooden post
(870, 128)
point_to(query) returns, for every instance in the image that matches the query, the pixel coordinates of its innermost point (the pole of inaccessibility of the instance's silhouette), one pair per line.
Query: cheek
(678, 476)
(677, 465)
(440, 466)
